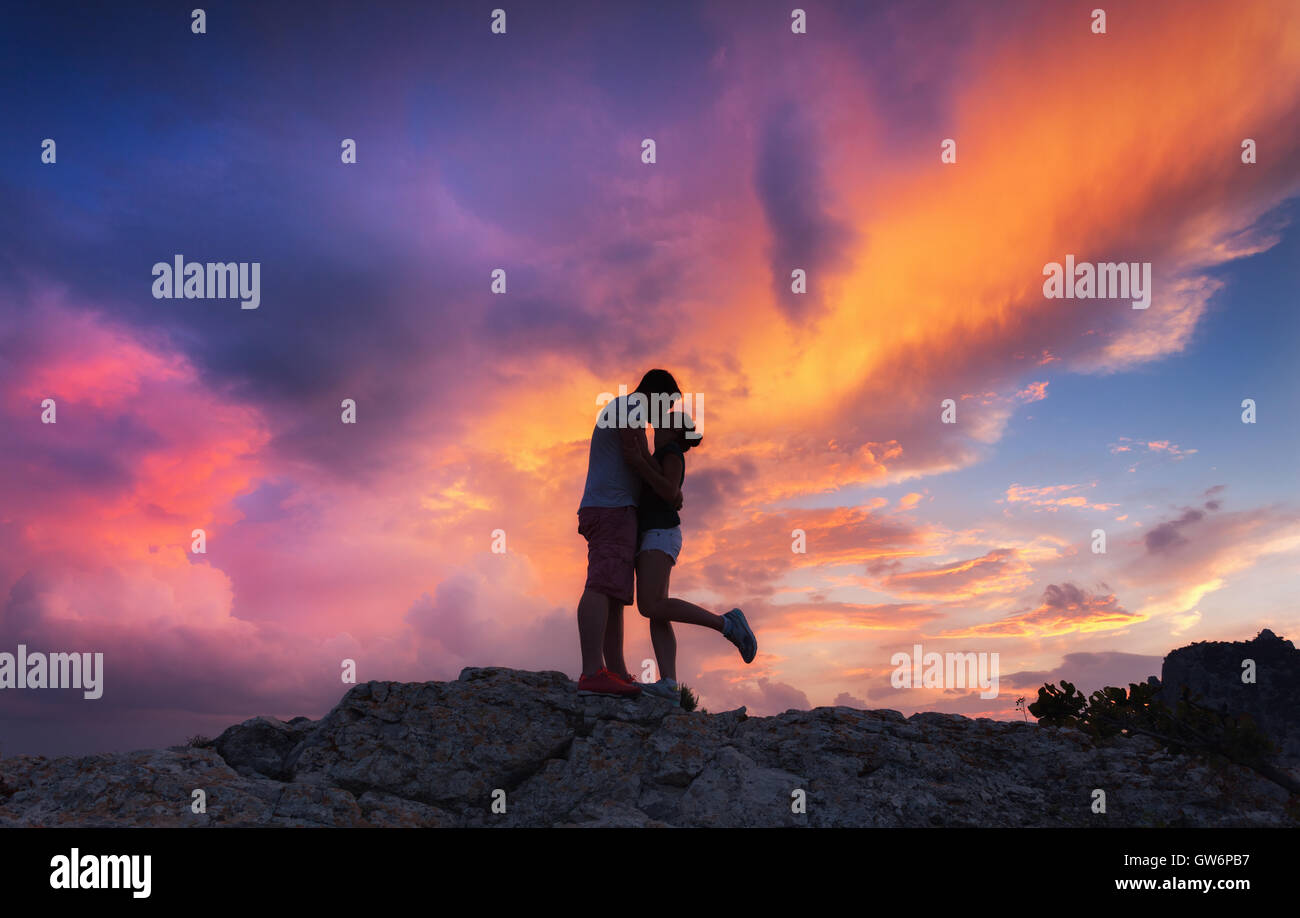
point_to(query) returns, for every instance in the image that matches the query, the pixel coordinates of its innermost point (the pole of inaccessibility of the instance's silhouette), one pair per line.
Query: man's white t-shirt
(611, 482)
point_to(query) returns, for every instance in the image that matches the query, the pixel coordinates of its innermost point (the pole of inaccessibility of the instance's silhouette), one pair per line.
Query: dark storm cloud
(790, 185)
(1090, 671)
(1170, 534)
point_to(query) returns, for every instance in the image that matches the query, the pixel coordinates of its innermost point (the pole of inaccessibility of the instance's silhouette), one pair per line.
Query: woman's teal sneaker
(666, 689)
(737, 630)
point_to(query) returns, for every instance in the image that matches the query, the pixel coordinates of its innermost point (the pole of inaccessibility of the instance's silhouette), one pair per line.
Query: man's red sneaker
(606, 683)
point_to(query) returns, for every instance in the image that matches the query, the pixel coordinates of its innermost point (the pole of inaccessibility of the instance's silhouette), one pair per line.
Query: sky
(522, 151)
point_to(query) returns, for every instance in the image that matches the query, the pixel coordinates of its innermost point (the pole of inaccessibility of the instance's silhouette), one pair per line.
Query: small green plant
(689, 698)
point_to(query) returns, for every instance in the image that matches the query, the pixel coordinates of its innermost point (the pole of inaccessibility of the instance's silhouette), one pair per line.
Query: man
(618, 462)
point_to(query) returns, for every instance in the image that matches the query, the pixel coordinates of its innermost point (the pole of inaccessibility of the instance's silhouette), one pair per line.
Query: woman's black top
(653, 512)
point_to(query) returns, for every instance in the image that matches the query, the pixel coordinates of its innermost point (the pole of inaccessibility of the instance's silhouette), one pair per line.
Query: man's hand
(635, 451)
(637, 455)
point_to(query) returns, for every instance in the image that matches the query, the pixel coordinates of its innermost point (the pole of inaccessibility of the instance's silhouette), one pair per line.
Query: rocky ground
(439, 753)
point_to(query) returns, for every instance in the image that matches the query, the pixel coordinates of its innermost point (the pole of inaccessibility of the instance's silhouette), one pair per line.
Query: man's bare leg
(593, 615)
(614, 661)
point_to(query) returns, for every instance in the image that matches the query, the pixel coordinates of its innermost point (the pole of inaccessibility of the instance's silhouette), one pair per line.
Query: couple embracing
(629, 517)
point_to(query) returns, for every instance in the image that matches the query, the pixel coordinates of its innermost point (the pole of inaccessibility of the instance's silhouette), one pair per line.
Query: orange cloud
(908, 501)
(1064, 609)
(999, 571)
(1046, 497)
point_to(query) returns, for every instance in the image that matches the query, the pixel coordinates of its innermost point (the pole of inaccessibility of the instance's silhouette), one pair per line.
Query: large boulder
(1213, 670)
(261, 745)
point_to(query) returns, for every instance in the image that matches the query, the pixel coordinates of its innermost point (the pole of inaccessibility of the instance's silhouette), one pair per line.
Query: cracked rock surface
(439, 753)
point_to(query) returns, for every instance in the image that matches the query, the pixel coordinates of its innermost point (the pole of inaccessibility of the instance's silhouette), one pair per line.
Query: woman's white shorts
(668, 541)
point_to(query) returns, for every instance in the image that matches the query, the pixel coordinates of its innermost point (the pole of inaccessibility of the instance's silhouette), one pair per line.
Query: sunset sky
(822, 411)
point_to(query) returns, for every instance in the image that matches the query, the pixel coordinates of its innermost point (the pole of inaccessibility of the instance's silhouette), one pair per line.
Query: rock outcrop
(441, 753)
(1213, 670)
(260, 746)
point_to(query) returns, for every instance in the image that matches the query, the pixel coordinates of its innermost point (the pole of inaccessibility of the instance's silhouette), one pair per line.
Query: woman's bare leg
(653, 569)
(664, 642)
(688, 613)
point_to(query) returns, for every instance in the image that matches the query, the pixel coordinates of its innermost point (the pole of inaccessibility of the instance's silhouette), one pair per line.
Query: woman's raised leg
(653, 568)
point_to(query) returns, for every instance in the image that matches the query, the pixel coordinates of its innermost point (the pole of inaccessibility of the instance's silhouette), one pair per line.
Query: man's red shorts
(611, 550)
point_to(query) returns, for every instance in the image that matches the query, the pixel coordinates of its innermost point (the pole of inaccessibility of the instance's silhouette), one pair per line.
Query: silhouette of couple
(629, 517)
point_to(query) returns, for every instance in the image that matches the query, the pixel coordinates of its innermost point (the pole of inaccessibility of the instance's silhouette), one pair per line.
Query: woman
(659, 543)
